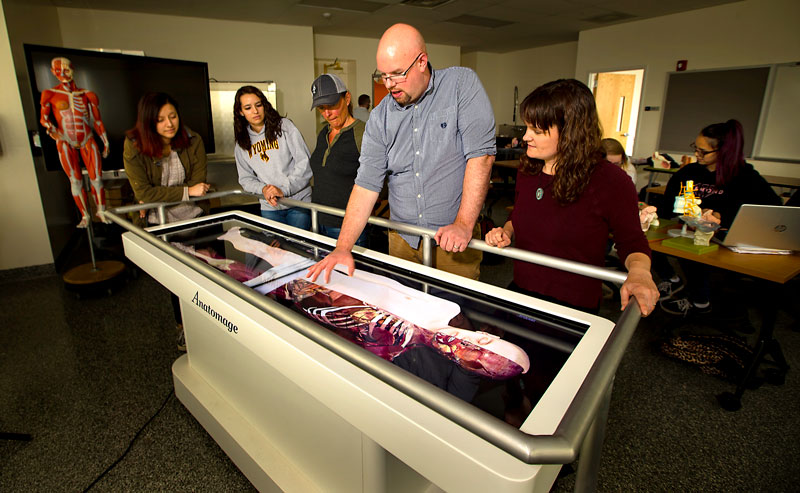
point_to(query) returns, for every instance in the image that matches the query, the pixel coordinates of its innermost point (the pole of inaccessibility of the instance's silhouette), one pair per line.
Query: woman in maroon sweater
(568, 200)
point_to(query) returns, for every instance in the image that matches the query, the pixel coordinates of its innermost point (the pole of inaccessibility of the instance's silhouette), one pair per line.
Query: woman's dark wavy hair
(568, 105)
(728, 139)
(272, 119)
(144, 134)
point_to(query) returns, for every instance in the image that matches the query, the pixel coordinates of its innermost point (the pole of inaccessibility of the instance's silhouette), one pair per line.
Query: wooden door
(379, 91)
(614, 97)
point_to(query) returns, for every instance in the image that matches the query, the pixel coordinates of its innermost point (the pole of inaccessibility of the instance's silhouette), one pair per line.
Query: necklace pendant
(539, 193)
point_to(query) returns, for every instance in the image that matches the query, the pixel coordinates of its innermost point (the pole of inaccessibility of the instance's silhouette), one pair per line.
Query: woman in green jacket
(164, 160)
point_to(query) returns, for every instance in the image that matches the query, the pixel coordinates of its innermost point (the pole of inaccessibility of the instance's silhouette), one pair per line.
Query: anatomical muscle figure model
(75, 111)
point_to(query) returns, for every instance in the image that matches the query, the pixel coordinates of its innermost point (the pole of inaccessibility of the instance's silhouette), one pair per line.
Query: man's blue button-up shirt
(424, 148)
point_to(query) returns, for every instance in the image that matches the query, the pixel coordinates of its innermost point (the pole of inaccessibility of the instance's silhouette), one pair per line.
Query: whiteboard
(765, 100)
(696, 99)
(780, 137)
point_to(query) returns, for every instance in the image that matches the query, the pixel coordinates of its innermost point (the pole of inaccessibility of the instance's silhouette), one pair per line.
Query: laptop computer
(765, 227)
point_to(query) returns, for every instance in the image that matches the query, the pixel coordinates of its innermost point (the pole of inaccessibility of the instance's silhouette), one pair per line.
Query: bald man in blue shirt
(435, 138)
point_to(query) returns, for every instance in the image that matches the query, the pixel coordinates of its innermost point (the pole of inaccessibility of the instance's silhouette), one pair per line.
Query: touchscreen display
(496, 355)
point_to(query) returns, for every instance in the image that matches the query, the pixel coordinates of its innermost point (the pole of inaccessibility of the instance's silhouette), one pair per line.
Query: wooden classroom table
(782, 181)
(773, 271)
(775, 268)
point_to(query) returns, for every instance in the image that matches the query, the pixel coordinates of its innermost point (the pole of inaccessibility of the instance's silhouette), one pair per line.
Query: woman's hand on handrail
(639, 283)
(500, 237)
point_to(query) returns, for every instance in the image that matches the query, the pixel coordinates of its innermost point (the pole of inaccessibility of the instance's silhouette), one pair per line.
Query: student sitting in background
(615, 154)
(723, 182)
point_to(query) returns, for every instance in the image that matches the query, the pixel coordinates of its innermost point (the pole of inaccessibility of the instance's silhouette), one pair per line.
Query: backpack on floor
(721, 355)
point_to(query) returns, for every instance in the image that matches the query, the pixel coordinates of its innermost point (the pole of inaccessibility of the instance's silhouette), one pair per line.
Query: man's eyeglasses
(701, 152)
(382, 78)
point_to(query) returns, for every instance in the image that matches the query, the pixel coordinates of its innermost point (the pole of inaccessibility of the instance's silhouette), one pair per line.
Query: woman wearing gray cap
(335, 159)
(271, 157)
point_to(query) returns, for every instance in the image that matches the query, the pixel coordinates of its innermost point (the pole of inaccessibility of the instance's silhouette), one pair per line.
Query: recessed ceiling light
(473, 20)
(428, 4)
(351, 5)
(610, 17)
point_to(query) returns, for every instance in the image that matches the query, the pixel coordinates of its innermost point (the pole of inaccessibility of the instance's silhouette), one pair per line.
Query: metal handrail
(560, 448)
(427, 235)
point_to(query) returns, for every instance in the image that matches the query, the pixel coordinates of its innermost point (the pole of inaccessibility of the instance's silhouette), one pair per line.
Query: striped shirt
(173, 175)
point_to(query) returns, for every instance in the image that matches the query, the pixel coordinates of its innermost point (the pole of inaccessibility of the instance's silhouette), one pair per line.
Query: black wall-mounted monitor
(119, 81)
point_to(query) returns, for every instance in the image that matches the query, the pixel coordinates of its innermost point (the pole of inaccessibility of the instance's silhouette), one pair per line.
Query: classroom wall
(24, 240)
(234, 50)
(527, 69)
(363, 50)
(752, 32)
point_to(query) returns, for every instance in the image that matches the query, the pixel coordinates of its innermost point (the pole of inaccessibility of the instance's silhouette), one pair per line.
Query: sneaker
(668, 288)
(181, 338)
(683, 307)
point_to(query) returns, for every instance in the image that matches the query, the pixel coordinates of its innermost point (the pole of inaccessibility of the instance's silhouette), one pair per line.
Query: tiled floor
(84, 375)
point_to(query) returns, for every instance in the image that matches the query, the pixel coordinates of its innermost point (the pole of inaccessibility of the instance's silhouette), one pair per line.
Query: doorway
(618, 95)
(379, 92)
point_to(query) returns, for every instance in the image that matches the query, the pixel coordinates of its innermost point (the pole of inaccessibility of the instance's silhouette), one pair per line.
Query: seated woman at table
(723, 181)
(615, 154)
(568, 199)
(271, 157)
(334, 161)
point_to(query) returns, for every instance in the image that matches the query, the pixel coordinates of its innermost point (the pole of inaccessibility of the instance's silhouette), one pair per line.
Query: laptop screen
(765, 226)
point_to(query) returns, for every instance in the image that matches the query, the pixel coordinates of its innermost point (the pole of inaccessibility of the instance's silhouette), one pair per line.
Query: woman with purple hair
(723, 181)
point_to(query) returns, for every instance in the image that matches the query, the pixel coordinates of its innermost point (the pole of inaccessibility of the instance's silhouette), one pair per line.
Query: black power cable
(130, 445)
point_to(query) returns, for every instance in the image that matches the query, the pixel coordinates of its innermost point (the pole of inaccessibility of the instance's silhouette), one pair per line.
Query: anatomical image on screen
(450, 341)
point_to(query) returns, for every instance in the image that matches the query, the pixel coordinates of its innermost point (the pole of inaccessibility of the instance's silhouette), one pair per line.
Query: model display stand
(299, 407)
(687, 245)
(692, 241)
(95, 274)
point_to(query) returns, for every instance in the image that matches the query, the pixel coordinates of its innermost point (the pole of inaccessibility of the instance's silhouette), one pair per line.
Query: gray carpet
(84, 375)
